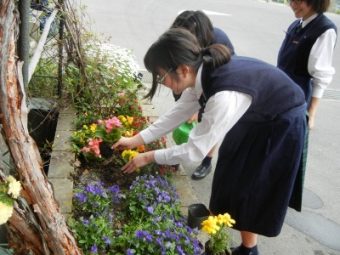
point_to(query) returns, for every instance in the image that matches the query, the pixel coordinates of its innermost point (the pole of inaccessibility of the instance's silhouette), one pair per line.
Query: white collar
(306, 21)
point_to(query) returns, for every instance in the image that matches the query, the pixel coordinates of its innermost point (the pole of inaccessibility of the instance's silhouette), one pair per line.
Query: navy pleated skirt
(256, 170)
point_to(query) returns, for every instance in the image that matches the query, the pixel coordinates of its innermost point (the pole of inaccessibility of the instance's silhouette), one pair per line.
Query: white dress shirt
(320, 60)
(221, 113)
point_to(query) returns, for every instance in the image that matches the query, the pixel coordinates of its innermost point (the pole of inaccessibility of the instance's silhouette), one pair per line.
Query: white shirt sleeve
(183, 109)
(221, 113)
(320, 62)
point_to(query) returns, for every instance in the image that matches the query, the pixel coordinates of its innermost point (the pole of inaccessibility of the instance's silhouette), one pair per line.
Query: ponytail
(215, 55)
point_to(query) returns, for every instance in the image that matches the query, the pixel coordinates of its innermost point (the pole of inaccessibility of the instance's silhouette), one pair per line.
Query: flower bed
(143, 219)
(115, 213)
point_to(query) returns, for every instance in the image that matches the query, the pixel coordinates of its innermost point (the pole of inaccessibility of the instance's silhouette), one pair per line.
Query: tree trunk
(37, 225)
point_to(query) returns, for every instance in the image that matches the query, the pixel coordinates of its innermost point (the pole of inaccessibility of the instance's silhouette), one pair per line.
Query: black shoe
(201, 172)
(242, 250)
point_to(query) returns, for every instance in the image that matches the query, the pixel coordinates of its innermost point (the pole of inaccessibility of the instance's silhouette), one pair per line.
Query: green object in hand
(181, 133)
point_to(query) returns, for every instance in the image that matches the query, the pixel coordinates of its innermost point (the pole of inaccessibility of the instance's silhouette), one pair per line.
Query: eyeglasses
(160, 79)
(296, 1)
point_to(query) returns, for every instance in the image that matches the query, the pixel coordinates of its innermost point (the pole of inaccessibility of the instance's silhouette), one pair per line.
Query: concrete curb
(61, 162)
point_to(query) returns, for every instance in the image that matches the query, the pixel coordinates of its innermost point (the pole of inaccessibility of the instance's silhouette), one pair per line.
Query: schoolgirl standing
(306, 53)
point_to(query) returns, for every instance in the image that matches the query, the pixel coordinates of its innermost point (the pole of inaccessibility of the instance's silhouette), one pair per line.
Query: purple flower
(114, 189)
(130, 252)
(148, 237)
(94, 249)
(166, 198)
(95, 189)
(115, 193)
(159, 241)
(106, 240)
(179, 224)
(81, 197)
(180, 250)
(167, 233)
(86, 222)
(150, 209)
(139, 234)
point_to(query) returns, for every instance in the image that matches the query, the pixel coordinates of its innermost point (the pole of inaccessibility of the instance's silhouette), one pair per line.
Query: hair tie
(204, 50)
(206, 56)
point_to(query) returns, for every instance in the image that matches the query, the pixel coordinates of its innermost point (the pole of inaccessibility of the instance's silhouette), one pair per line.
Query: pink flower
(93, 147)
(114, 122)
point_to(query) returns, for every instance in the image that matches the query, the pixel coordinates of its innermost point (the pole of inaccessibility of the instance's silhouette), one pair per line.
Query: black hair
(319, 6)
(198, 23)
(178, 46)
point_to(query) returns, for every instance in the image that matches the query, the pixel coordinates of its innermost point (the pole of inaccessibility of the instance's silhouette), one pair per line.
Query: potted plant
(217, 227)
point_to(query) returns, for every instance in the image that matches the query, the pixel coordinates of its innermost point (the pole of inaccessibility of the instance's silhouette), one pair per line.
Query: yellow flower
(126, 120)
(129, 154)
(216, 227)
(129, 120)
(225, 219)
(93, 127)
(6, 212)
(128, 133)
(14, 187)
(210, 225)
(122, 119)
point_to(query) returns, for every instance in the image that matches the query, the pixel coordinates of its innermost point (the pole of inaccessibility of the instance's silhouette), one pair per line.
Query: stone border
(62, 159)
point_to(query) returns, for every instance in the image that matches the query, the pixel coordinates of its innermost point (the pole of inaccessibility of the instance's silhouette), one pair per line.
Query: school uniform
(257, 112)
(306, 56)
(221, 37)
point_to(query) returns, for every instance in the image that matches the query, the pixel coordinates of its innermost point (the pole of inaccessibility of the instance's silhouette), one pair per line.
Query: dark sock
(206, 161)
(245, 251)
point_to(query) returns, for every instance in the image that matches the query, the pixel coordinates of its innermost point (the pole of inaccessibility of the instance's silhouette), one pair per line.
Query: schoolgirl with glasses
(253, 108)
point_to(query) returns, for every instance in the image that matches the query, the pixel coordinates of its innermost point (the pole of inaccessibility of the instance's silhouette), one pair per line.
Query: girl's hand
(312, 111)
(311, 121)
(193, 118)
(128, 142)
(140, 160)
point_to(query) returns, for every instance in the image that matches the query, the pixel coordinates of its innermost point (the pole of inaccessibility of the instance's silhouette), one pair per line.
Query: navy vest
(221, 37)
(272, 91)
(295, 49)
